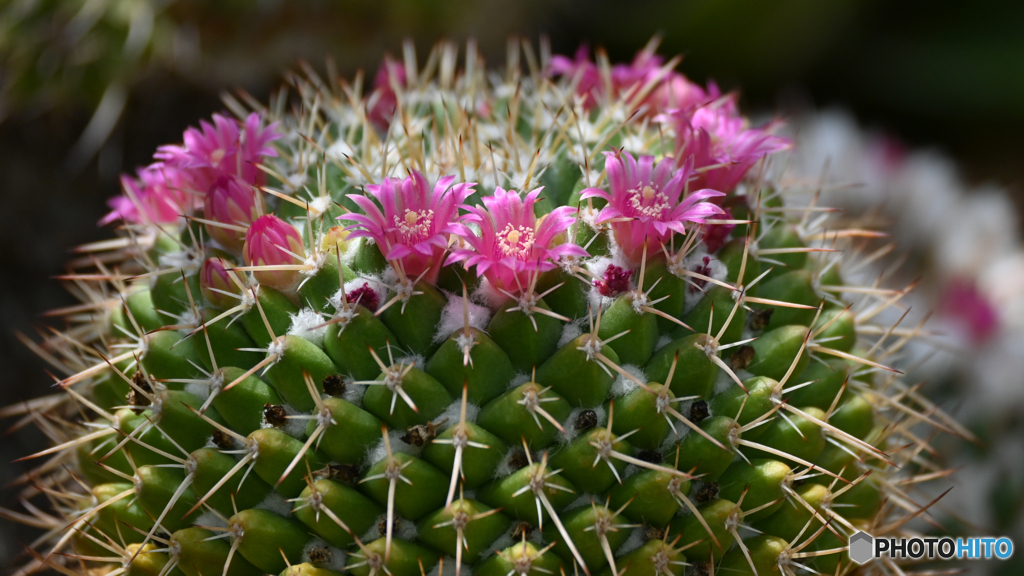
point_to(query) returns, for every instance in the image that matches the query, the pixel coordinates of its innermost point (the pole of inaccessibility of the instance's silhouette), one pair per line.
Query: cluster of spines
(160, 450)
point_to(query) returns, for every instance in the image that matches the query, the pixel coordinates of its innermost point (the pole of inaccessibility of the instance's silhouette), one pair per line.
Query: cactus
(552, 319)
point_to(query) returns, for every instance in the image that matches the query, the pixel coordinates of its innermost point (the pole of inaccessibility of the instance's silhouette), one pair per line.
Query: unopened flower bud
(233, 203)
(276, 245)
(217, 284)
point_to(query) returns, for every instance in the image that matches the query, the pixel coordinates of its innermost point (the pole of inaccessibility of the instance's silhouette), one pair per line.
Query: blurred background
(89, 89)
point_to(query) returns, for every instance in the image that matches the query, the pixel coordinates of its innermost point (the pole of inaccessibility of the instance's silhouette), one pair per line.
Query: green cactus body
(611, 396)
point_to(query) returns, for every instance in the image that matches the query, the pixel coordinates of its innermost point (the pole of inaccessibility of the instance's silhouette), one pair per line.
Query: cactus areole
(562, 317)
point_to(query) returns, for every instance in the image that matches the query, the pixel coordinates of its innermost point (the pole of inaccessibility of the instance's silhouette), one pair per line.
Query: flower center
(414, 226)
(516, 242)
(217, 155)
(648, 202)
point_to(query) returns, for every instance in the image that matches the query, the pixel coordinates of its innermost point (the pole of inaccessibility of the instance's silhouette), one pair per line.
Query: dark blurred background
(942, 73)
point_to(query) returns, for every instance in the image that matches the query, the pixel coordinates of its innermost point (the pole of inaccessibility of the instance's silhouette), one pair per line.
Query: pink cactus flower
(964, 306)
(382, 101)
(231, 201)
(645, 205)
(412, 232)
(277, 245)
(514, 245)
(217, 285)
(157, 196)
(222, 149)
(580, 70)
(716, 134)
(671, 91)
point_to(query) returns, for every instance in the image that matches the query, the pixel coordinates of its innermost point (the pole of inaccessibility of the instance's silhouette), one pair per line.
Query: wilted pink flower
(513, 245)
(704, 269)
(222, 149)
(277, 245)
(644, 205)
(382, 101)
(715, 235)
(614, 282)
(157, 196)
(217, 285)
(413, 230)
(364, 295)
(716, 134)
(231, 201)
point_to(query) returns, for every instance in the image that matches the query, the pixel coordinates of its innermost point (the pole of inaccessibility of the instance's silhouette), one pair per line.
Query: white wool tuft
(389, 276)
(668, 444)
(630, 470)
(582, 500)
(377, 452)
(518, 380)
(416, 360)
(353, 392)
(447, 568)
(452, 413)
(404, 529)
(339, 150)
(307, 324)
(570, 332)
(210, 519)
(277, 504)
(636, 539)
(663, 340)
(488, 295)
(337, 557)
(622, 385)
(452, 317)
(504, 468)
(723, 382)
(201, 389)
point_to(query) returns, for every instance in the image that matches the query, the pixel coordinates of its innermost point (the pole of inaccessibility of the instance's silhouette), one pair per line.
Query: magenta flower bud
(383, 100)
(276, 246)
(232, 202)
(219, 288)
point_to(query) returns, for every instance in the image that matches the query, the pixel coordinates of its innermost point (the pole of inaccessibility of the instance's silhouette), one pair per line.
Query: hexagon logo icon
(861, 545)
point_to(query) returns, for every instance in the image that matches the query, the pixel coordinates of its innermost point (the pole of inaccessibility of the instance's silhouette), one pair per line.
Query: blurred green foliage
(61, 52)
